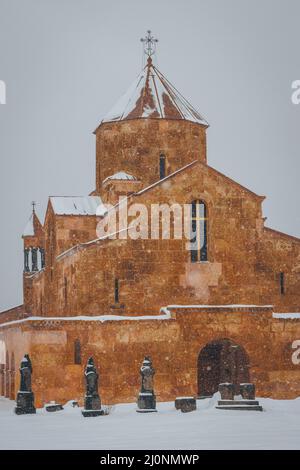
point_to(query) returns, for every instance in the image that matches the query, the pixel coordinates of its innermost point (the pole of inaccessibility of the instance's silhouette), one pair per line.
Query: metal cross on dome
(33, 206)
(149, 42)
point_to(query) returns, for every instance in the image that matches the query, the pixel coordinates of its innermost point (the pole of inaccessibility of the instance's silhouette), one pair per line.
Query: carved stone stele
(92, 401)
(146, 400)
(25, 396)
(247, 391)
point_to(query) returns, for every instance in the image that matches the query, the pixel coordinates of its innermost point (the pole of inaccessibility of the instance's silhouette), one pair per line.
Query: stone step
(240, 407)
(238, 402)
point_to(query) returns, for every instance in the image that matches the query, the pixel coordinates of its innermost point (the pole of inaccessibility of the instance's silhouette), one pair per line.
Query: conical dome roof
(152, 96)
(33, 226)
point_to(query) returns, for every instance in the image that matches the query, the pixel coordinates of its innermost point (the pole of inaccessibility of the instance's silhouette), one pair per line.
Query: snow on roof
(77, 205)
(121, 175)
(198, 162)
(209, 306)
(151, 95)
(289, 316)
(29, 229)
(98, 318)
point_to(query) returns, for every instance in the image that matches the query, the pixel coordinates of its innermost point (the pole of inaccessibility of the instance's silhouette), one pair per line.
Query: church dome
(152, 96)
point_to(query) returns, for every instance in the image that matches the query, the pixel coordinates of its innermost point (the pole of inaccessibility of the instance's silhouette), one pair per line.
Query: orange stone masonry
(135, 145)
(168, 307)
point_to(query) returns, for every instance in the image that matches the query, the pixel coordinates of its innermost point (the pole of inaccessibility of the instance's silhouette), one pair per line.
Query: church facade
(224, 309)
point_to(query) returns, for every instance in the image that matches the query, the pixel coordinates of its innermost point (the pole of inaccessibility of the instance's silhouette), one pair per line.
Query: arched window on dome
(162, 166)
(198, 231)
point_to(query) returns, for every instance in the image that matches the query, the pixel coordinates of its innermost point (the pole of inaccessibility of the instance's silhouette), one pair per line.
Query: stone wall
(174, 344)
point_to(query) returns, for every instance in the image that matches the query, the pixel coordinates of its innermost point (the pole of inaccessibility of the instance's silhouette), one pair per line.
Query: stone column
(12, 379)
(2, 380)
(7, 382)
(42, 252)
(26, 260)
(34, 259)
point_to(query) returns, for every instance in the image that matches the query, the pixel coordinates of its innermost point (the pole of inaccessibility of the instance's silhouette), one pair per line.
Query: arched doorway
(221, 361)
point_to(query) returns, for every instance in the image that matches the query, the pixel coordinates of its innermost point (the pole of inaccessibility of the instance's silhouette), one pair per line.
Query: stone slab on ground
(52, 407)
(185, 404)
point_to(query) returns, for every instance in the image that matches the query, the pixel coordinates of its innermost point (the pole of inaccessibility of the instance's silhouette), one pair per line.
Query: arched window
(77, 352)
(199, 231)
(162, 166)
(2, 352)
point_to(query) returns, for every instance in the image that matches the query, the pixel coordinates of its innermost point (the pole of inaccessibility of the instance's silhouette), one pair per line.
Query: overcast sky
(66, 62)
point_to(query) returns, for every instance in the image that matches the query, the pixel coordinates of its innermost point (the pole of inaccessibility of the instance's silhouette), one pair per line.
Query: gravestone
(247, 391)
(227, 391)
(92, 402)
(185, 404)
(146, 400)
(25, 397)
(248, 402)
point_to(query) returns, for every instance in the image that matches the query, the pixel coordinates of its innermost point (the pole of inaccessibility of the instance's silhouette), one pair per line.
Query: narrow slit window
(199, 231)
(77, 352)
(66, 291)
(282, 283)
(116, 291)
(162, 167)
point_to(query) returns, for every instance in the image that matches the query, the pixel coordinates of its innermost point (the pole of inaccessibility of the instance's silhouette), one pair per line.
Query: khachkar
(146, 401)
(92, 402)
(25, 397)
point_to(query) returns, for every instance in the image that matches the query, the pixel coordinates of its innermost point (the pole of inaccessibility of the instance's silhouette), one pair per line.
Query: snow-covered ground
(278, 427)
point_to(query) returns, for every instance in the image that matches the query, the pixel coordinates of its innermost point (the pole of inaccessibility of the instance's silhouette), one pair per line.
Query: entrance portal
(221, 361)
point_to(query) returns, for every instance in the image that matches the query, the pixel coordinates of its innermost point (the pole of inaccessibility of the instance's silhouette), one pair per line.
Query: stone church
(224, 310)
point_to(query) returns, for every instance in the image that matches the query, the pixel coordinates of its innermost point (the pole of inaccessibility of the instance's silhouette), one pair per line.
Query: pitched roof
(210, 168)
(275, 232)
(77, 205)
(151, 95)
